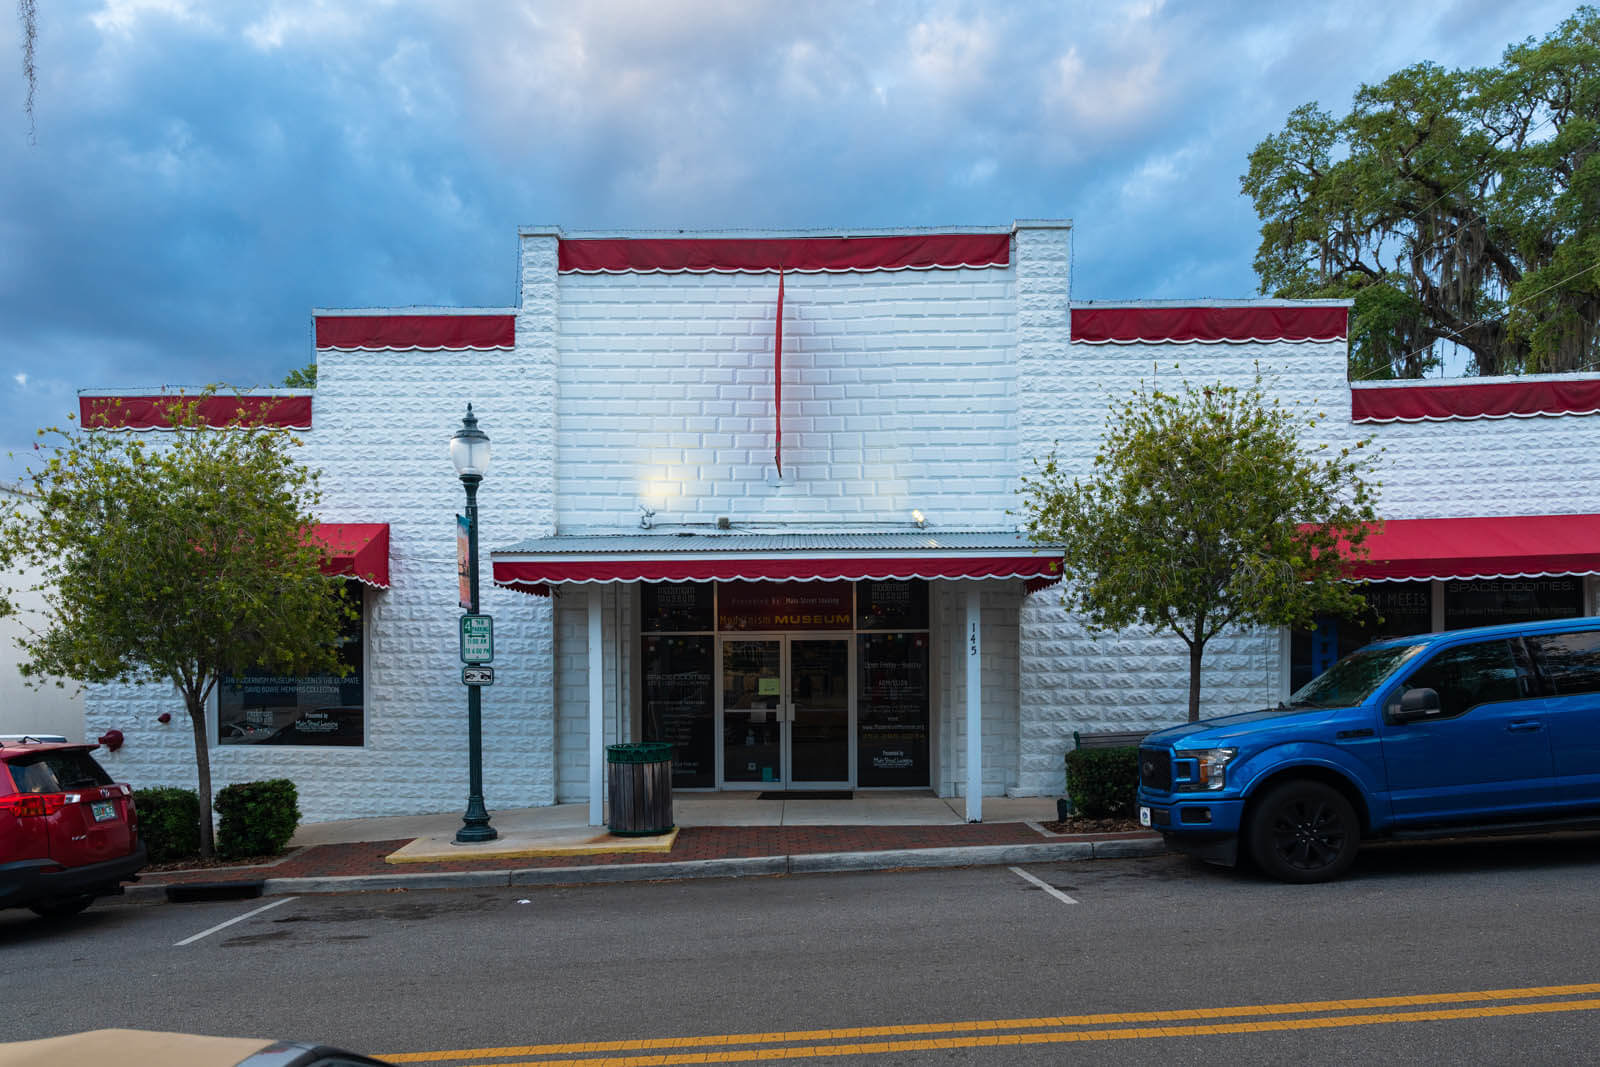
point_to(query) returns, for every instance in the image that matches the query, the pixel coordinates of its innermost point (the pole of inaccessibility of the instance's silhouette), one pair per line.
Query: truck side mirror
(1417, 704)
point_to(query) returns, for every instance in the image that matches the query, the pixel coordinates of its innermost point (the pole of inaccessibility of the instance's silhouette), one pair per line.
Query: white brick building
(632, 404)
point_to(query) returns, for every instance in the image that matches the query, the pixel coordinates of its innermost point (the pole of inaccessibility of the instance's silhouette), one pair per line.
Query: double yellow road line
(1048, 1030)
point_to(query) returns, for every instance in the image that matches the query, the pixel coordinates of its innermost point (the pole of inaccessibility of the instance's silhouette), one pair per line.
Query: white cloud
(21, 379)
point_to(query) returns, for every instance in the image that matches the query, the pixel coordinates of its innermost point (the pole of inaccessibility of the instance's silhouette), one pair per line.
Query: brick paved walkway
(694, 843)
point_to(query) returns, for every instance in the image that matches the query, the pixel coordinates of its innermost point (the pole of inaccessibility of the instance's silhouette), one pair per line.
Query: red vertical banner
(777, 385)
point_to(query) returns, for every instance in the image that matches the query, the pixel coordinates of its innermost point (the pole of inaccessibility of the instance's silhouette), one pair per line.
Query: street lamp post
(469, 451)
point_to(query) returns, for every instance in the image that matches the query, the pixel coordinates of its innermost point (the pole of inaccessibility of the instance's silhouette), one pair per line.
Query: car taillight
(37, 803)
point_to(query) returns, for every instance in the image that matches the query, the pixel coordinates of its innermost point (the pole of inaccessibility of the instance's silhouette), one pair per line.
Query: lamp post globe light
(469, 451)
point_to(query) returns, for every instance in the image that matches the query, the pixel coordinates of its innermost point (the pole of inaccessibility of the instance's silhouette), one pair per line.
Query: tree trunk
(1197, 649)
(202, 762)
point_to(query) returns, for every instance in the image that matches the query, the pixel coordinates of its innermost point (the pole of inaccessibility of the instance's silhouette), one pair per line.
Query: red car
(68, 833)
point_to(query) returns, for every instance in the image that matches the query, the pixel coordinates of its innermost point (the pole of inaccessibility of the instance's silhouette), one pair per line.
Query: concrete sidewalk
(717, 835)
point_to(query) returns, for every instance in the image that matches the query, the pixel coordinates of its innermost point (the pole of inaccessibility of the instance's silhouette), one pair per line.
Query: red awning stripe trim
(1481, 548)
(1207, 325)
(769, 255)
(155, 412)
(1500, 399)
(358, 550)
(513, 574)
(416, 332)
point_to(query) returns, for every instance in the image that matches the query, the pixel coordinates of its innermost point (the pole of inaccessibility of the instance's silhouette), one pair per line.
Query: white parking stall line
(1052, 890)
(230, 922)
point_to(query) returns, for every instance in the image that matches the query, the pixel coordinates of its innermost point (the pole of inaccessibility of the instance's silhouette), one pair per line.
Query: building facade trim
(1520, 398)
(769, 255)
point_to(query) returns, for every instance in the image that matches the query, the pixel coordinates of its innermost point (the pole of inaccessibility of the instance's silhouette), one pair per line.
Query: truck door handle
(1525, 726)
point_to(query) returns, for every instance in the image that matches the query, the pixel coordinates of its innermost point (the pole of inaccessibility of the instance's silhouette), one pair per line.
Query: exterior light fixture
(917, 517)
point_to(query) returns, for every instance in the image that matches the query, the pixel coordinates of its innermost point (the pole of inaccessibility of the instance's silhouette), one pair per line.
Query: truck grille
(1155, 769)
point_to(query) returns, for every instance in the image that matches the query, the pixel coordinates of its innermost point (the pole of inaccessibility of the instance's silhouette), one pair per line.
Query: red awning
(359, 550)
(796, 569)
(699, 255)
(416, 331)
(155, 412)
(1518, 546)
(815, 557)
(1520, 398)
(1207, 325)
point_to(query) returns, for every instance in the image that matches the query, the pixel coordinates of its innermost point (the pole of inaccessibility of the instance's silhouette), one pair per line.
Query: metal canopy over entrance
(763, 697)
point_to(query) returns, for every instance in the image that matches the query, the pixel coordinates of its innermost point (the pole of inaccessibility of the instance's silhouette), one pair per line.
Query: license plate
(1144, 816)
(104, 810)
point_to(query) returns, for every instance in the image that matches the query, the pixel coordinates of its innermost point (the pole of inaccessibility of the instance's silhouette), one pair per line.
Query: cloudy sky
(201, 173)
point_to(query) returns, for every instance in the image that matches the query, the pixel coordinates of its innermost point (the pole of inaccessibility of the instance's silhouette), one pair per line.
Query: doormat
(808, 794)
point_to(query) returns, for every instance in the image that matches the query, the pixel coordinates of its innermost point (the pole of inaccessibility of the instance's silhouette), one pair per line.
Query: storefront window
(892, 718)
(257, 708)
(892, 605)
(1394, 609)
(1490, 603)
(679, 706)
(676, 607)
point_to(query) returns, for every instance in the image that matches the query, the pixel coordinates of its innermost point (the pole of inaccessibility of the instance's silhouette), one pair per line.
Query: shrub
(1103, 782)
(169, 822)
(258, 818)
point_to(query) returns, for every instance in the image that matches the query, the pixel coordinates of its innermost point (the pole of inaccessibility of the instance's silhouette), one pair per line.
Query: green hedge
(258, 818)
(1103, 783)
(169, 822)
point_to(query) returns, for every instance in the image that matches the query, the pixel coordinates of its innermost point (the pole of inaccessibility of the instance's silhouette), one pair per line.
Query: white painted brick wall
(998, 607)
(572, 681)
(899, 392)
(382, 423)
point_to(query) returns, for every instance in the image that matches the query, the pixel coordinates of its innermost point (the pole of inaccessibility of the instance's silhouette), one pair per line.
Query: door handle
(1525, 726)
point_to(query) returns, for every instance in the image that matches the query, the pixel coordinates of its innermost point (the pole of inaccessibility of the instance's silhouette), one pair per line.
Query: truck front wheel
(1304, 831)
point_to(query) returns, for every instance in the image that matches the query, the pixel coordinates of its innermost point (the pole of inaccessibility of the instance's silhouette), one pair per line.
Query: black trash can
(639, 782)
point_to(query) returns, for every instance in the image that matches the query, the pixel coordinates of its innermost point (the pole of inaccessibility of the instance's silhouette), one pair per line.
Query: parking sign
(477, 638)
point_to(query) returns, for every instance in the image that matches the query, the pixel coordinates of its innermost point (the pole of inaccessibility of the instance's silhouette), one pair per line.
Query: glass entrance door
(786, 712)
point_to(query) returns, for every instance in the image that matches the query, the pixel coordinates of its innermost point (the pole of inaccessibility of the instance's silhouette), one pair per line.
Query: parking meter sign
(477, 638)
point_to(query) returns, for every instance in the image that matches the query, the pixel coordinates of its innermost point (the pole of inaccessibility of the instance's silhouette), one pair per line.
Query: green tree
(181, 559)
(1456, 207)
(302, 377)
(1205, 510)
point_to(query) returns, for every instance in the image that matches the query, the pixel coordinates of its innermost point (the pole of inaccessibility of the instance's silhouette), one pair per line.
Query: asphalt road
(1390, 966)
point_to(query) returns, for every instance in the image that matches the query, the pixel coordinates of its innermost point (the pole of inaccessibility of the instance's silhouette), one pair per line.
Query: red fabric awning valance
(671, 255)
(1515, 398)
(1207, 325)
(416, 331)
(155, 412)
(528, 574)
(358, 550)
(1517, 546)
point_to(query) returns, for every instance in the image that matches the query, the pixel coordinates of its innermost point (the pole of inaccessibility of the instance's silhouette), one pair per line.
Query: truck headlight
(1201, 771)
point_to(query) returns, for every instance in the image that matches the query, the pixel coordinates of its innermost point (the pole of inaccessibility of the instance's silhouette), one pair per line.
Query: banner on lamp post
(464, 560)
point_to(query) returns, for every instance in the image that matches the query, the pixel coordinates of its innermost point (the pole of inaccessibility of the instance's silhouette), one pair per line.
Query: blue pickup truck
(1488, 730)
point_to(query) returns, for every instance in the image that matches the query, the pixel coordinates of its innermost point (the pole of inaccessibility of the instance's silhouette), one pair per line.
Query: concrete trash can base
(639, 784)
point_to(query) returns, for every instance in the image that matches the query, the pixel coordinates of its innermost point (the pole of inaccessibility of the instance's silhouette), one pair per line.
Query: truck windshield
(1353, 679)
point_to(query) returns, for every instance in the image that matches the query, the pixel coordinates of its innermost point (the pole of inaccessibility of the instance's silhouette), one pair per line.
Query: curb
(751, 867)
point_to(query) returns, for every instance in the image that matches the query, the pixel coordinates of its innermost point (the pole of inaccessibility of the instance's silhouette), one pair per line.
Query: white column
(974, 707)
(597, 701)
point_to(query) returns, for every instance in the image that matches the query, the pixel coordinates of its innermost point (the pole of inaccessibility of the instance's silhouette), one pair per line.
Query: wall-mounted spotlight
(646, 515)
(917, 517)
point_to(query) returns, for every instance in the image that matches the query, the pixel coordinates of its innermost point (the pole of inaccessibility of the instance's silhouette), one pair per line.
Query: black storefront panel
(680, 705)
(892, 711)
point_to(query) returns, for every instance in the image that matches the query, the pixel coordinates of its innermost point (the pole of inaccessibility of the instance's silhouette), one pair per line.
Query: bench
(1125, 739)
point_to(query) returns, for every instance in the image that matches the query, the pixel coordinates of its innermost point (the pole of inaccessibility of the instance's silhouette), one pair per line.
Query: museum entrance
(787, 712)
(803, 686)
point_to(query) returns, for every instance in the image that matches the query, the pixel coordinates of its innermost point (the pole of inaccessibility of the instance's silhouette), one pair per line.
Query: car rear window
(56, 772)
